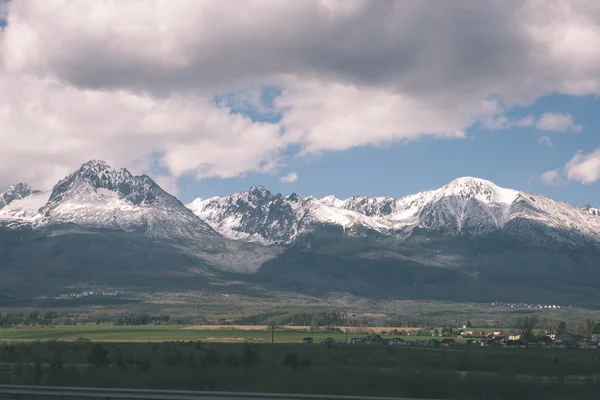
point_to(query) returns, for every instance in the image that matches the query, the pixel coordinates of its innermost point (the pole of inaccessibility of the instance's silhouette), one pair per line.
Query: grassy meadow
(168, 333)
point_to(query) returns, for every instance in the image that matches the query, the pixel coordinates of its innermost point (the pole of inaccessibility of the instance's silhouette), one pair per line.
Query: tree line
(53, 318)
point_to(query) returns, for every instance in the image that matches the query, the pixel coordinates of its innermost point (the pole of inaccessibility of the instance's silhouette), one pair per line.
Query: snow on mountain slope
(560, 216)
(16, 192)
(99, 196)
(20, 203)
(462, 201)
(465, 206)
(259, 216)
(592, 210)
(332, 201)
(474, 206)
(25, 209)
(254, 216)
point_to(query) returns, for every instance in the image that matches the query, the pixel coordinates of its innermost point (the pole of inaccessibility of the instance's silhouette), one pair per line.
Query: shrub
(290, 360)
(98, 356)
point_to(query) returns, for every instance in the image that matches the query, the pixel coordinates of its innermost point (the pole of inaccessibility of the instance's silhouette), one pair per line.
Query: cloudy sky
(317, 96)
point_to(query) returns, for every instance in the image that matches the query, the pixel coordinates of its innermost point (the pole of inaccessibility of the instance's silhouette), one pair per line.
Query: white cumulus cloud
(557, 122)
(289, 178)
(49, 128)
(550, 177)
(584, 167)
(545, 141)
(523, 122)
(503, 122)
(130, 81)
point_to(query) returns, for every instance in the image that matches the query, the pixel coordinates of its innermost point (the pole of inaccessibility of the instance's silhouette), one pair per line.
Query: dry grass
(228, 327)
(232, 340)
(353, 329)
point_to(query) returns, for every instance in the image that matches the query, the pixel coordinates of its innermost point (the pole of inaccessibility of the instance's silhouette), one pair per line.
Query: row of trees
(29, 318)
(328, 318)
(302, 318)
(53, 318)
(583, 328)
(316, 320)
(148, 319)
(528, 324)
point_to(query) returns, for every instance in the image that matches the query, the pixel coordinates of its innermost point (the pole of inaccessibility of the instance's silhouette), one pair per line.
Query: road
(54, 391)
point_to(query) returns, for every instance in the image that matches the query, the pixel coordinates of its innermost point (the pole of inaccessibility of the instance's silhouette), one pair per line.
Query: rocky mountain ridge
(97, 195)
(465, 206)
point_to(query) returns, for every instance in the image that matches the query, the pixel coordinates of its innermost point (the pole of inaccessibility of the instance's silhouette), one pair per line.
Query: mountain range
(470, 240)
(466, 207)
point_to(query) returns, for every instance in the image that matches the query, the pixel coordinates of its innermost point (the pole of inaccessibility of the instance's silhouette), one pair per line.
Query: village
(546, 339)
(87, 293)
(528, 306)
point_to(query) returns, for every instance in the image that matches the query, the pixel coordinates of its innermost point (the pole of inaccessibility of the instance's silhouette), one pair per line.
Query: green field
(168, 333)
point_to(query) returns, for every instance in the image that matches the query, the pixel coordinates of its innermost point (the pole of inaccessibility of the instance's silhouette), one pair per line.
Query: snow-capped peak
(96, 165)
(333, 201)
(259, 192)
(196, 203)
(16, 192)
(97, 195)
(21, 203)
(480, 189)
(470, 180)
(294, 197)
(95, 175)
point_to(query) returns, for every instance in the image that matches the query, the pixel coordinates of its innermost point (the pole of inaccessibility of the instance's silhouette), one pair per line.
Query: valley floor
(206, 308)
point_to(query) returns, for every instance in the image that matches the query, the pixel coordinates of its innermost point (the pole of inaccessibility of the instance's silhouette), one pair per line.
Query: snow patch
(25, 209)
(107, 193)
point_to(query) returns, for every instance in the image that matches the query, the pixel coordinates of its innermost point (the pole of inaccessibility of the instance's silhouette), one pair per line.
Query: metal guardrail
(113, 393)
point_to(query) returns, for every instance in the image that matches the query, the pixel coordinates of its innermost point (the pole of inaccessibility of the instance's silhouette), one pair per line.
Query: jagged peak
(259, 188)
(96, 164)
(16, 192)
(293, 197)
(99, 167)
(89, 171)
(259, 191)
(20, 186)
(98, 174)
